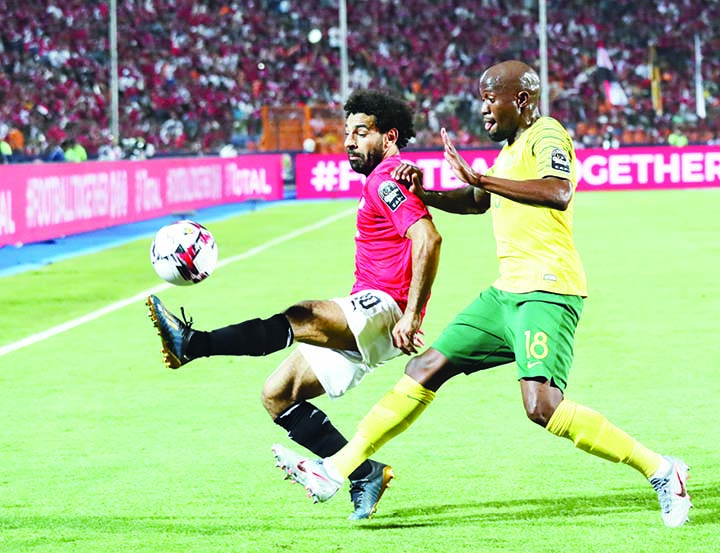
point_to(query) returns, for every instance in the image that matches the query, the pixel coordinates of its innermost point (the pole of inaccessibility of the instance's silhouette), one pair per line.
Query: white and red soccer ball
(184, 253)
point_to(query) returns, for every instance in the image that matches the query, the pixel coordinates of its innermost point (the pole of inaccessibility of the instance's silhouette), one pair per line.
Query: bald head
(512, 76)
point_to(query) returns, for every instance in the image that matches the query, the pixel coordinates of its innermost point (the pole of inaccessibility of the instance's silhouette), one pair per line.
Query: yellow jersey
(535, 245)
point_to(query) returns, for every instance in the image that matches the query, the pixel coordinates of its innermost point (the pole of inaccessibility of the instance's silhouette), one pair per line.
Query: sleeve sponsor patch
(559, 160)
(391, 194)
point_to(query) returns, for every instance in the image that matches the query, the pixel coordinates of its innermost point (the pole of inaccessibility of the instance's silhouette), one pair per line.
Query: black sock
(255, 337)
(311, 428)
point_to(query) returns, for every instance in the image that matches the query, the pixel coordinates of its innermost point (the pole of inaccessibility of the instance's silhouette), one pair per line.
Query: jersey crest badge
(391, 194)
(559, 161)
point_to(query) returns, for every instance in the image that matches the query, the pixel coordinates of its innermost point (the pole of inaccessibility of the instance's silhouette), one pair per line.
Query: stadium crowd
(194, 75)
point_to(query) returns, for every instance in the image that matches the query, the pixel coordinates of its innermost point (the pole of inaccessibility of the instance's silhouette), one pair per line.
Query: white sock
(332, 470)
(663, 470)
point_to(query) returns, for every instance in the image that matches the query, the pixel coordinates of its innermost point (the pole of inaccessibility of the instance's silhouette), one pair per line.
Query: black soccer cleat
(174, 333)
(366, 492)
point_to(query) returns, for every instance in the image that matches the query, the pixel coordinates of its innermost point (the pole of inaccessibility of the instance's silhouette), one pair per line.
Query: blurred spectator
(136, 148)
(55, 153)
(6, 152)
(228, 150)
(610, 140)
(16, 140)
(677, 137)
(109, 151)
(74, 151)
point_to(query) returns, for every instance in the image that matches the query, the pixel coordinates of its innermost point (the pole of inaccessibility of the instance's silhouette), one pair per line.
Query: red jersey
(383, 257)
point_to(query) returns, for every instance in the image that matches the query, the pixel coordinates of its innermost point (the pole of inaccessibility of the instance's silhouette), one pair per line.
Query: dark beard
(365, 165)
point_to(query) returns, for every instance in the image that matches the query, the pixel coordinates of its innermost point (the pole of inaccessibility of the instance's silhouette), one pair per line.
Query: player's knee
(418, 369)
(430, 369)
(300, 317)
(539, 412)
(273, 399)
(540, 399)
(537, 417)
(413, 370)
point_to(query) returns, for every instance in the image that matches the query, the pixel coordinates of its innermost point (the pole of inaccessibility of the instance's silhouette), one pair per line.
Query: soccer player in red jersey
(341, 339)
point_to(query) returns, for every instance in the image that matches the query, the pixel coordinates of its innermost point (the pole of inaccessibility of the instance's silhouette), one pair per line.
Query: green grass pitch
(102, 449)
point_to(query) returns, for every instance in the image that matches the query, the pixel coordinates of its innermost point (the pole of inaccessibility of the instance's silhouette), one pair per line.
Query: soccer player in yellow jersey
(530, 313)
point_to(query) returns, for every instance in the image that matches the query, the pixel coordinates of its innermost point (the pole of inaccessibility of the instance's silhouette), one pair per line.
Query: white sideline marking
(69, 325)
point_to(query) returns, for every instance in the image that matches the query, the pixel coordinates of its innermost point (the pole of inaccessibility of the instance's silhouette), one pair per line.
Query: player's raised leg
(181, 343)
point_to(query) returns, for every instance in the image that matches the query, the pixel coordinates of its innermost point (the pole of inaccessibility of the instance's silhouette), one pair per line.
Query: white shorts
(371, 316)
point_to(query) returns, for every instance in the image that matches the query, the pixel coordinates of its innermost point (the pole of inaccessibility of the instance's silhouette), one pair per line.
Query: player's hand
(407, 334)
(410, 176)
(460, 167)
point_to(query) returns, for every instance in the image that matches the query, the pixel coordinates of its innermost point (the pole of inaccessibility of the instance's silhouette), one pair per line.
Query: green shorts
(536, 330)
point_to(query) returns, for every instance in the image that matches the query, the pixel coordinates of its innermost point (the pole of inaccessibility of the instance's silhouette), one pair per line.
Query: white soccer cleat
(672, 493)
(312, 475)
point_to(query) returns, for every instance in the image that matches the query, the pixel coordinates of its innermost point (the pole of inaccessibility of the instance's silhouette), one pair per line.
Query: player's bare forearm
(467, 200)
(426, 259)
(426, 242)
(552, 192)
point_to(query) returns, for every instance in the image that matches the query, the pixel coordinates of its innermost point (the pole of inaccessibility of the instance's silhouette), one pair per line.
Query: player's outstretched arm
(464, 200)
(552, 192)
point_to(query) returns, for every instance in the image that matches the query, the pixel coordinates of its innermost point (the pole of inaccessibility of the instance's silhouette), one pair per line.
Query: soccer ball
(184, 253)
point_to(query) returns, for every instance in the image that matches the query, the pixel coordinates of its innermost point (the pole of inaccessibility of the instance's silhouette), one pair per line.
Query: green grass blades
(102, 449)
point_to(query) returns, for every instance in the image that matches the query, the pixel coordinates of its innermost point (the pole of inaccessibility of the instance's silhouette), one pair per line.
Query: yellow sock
(387, 418)
(592, 432)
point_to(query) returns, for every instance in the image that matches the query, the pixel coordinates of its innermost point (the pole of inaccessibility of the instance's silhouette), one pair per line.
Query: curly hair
(390, 112)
